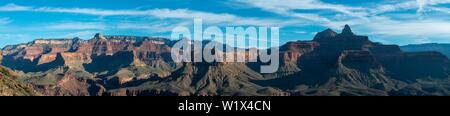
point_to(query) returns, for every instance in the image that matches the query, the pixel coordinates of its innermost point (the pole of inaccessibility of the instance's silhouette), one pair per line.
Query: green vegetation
(11, 87)
(5, 72)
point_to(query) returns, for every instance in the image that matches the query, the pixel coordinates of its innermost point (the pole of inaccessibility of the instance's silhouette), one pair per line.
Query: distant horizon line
(168, 38)
(161, 37)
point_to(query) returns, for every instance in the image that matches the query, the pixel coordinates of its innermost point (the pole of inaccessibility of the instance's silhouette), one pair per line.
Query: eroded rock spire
(347, 30)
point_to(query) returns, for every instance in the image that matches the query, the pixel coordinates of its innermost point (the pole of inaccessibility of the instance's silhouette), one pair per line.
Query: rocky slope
(203, 79)
(349, 64)
(11, 87)
(87, 67)
(330, 64)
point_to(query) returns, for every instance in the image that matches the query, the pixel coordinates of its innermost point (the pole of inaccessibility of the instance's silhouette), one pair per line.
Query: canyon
(332, 64)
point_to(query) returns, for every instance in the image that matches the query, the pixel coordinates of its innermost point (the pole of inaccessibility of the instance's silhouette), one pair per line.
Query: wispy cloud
(390, 7)
(286, 7)
(4, 21)
(370, 18)
(158, 13)
(14, 7)
(153, 27)
(89, 11)
(300, 32)
(421, 6)
(214, 18)
(77, 26)
(208, 17)
(441, 9)
(429, 28)
(395, 18)
(10, 39)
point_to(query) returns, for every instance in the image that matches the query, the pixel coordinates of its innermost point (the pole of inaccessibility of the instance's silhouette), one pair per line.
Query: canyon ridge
(332, 64)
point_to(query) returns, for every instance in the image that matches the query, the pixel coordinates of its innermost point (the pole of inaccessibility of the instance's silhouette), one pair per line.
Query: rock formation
(331, 64)
(11, 87)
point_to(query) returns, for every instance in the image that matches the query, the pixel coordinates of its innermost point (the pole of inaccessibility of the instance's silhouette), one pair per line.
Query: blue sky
(387, 21)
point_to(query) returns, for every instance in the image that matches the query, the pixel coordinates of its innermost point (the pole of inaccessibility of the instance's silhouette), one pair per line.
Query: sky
(387, 21)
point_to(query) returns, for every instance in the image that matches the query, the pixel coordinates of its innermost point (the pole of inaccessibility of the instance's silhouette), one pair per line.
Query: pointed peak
(347, 30)
(329, 30)
(99, 36)
(328, 33)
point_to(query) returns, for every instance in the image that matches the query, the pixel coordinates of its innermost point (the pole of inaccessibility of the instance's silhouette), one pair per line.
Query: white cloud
(89, 11)
(402, 29)
(372, 19)
(300, 32)
(209, 18)
(404, 5)
(77, 26)
(369, 19)
(14, 7)
(441, 9)
(153, 27)
(286, 7)
(215, 18)
(428, 28)
(420, 5)
(158, 13)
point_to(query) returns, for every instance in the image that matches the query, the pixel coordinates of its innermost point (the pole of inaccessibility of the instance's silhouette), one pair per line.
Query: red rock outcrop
(331, 64)
(76, 52)
(291, 51)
